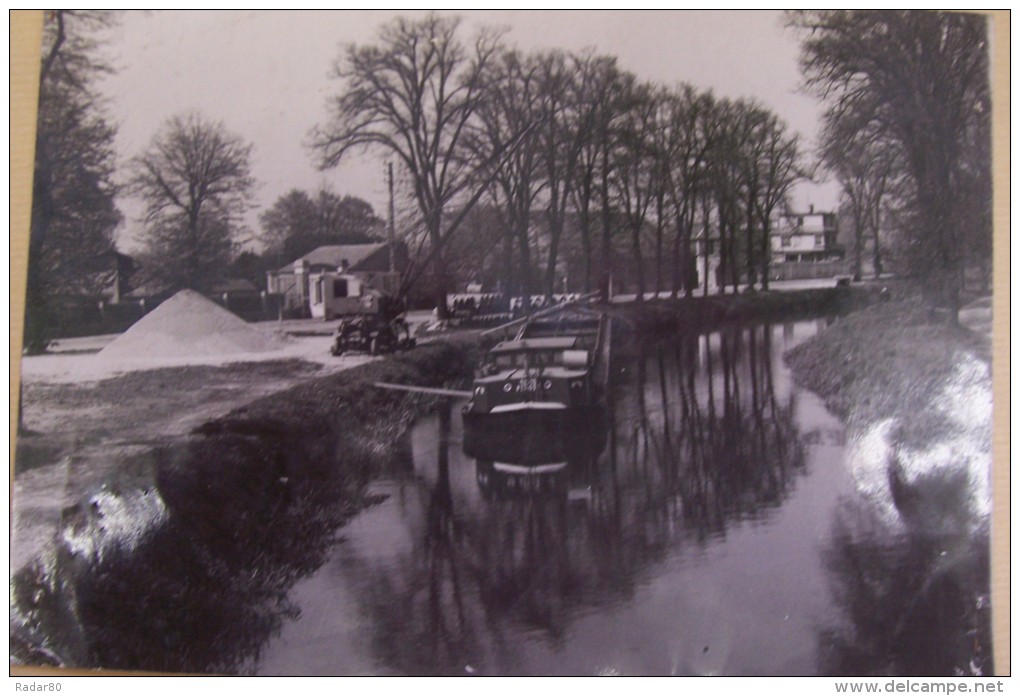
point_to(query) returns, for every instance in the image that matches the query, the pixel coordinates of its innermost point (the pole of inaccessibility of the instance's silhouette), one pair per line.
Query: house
(368, 263)
(805, 237)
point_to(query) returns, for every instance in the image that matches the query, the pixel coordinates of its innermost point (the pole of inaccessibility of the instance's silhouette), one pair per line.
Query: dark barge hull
(535, 436)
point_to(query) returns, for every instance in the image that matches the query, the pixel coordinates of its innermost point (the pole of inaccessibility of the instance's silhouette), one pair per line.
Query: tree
(865, 165)
(510, 87)
(195, 181)
(566, 124)
(921, 80)
(251, 267)
(727, 172)
(73, 211)
(691, 133)
(412, 95)
(633, 178)
(297, 223)
(777, 167)
(592, 92)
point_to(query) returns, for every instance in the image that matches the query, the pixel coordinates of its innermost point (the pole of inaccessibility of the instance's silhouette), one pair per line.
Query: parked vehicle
(373, 334)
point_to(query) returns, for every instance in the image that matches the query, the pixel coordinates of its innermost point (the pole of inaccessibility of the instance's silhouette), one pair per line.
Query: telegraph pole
(392, 230)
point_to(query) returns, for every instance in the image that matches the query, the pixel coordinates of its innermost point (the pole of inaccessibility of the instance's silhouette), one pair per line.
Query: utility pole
(392, 231)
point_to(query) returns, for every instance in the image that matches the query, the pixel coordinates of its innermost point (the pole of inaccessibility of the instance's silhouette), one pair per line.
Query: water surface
(713, 533)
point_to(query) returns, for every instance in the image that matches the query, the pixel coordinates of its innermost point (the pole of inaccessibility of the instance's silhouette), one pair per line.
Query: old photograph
(499, 343)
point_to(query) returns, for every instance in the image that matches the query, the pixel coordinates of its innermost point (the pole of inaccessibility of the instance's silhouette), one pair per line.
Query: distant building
(369, 263)
(805, 237)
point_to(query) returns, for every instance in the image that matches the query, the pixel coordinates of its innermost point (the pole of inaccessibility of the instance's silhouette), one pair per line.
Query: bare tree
(921, 79)
(509, 106)
(727, 173)
(864, 163)
(412, 94)
(195, 181)
(567, 124)
(692, 132)
(633, 165)
(590, 95)
(778, 167)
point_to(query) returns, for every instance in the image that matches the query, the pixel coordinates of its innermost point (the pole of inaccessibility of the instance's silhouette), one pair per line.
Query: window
(819, 240)
(340, 287)
(317, 292)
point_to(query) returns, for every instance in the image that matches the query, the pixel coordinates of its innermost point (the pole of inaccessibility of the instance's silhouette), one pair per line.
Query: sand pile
(190, 325)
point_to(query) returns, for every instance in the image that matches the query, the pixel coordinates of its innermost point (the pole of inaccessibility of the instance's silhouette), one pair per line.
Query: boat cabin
(562, 351)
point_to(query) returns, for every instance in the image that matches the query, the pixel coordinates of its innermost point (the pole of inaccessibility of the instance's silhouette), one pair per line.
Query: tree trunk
(749, 236)
(766, 252)
(876, 252)
(525, 249)
(635, 245)
(584, 224)
(37, 309)
(658, 244)
(678, 272)
(607, 244)
(439, 265)
(555, 233)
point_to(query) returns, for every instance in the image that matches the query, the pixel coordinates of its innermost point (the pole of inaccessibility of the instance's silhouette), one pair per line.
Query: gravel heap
(190, 325)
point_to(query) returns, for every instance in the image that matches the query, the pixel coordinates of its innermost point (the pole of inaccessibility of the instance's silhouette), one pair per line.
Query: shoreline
(915, 394)
(202, 545)
(263, 489)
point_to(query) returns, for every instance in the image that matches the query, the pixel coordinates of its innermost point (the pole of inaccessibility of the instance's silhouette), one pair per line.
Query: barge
(541, 393)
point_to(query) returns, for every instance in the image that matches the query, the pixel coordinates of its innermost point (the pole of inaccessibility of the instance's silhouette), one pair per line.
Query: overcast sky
(265, 75)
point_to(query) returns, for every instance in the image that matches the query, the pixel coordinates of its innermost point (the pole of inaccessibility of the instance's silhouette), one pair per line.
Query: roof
(334, 256)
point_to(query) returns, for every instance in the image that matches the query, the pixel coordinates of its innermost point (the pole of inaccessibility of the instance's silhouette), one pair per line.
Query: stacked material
(190, 325)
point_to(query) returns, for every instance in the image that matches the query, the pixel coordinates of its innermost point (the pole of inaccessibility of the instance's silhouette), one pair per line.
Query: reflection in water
(915, 596)
(709, 525)
(699, 437)
(702, 432)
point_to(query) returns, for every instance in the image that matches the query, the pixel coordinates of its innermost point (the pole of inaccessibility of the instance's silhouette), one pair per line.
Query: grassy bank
(193, 575)
(910, 550)
(887, 362)
(670, 315)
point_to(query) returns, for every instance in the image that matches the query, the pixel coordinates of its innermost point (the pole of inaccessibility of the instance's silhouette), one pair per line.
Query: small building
(805, 237)
(242, 297)
(361, 264)
(339, 294)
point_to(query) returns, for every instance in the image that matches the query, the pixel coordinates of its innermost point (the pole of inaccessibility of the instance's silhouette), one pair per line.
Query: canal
(715, 525)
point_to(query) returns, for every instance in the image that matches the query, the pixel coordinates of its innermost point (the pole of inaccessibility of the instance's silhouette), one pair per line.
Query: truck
(371, 321)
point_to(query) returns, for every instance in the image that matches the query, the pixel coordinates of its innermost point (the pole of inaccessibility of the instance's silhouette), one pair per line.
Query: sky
(266, 77)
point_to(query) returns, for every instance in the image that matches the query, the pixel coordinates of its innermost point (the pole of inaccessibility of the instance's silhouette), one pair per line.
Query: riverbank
(888, 361)
(915, 393)
(182, 559)
(190, 573)
(707, 312)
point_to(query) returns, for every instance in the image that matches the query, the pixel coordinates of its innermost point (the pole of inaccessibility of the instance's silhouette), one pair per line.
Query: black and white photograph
(508, 343)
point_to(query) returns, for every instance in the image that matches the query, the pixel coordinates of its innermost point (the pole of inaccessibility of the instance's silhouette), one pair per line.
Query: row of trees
(512, 161)
(907, 133)
(612, 161)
